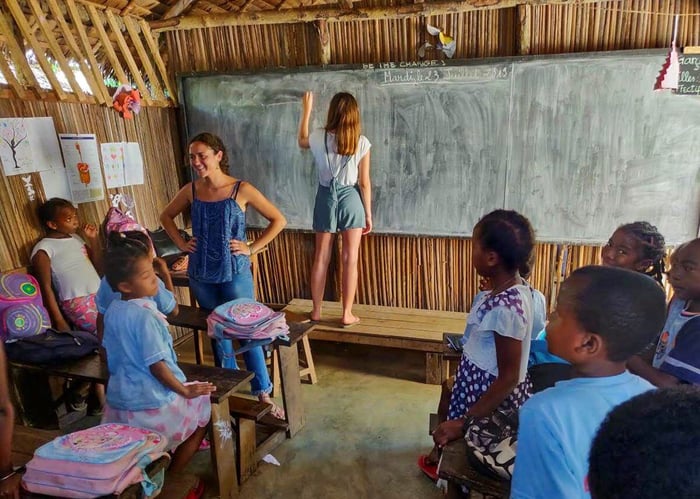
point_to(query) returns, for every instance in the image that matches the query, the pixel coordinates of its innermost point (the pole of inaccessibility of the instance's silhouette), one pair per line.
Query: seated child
(677, 356)
(492, 370)
(603, 316)
(164, 299)
(647, 447)
(636, 246)
(62, 261)
(146, 387)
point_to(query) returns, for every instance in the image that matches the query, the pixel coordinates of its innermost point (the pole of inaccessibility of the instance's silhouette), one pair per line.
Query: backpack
(246, 319)
(101, 460)
(492, 442)
(52, 347)
(22, 311)
(116, 220)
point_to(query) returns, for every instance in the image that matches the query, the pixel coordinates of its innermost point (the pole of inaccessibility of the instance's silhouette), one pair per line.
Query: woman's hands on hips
(10, 486)
(189, 246)
(368, 225)
(240, 247)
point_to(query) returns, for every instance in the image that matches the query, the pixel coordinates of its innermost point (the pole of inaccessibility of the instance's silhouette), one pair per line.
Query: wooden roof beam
(179, 8)
(17, 52)
(341, 14)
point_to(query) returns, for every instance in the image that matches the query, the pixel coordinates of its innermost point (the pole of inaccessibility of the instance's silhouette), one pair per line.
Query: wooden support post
(324, 41)
(433, 368)
(524, 33)
(291, 388)
(222, 449)
(245, 443)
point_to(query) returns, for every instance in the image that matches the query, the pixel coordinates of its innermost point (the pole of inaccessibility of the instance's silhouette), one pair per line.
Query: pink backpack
(246, 319)
(116, 220)
(22, 311)
(99, 461)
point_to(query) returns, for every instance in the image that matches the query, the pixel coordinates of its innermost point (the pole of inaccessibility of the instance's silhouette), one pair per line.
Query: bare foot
(433, 457)
(315, 315)
(349, 320)
(277, 411)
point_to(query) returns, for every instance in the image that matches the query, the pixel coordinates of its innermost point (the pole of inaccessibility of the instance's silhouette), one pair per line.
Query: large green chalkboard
(580, 144)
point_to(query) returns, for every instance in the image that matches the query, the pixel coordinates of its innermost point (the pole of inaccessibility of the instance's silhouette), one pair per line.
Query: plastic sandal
(204, 445)
(430, 470)
(197, 491)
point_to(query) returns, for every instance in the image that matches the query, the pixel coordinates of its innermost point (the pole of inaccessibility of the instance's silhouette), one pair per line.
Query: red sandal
(196, 492)
(430, 470)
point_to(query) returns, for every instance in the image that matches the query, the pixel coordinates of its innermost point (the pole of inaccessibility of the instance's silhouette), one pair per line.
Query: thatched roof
(44, 43)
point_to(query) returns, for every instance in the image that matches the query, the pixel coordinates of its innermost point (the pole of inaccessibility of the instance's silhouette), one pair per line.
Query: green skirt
(338, 208)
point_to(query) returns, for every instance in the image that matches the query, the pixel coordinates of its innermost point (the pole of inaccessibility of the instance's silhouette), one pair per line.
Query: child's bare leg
(187, 449)
(443, 407)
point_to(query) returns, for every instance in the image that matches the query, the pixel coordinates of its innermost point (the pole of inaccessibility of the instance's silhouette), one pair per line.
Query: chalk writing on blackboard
(689, 77)
(446, 74)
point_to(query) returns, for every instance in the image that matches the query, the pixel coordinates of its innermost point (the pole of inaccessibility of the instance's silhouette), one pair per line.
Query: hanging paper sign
(83, 167)
(28, 145)
(689, 75)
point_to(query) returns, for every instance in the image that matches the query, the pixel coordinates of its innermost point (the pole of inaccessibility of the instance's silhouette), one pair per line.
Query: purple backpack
(22, 311)
(246, 319)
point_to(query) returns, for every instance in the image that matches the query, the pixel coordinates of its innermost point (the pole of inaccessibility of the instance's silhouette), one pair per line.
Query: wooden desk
(194, 318)
(227, 381)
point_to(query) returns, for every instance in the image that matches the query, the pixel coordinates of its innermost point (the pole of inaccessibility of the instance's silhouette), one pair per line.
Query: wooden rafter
(109, 50)
(335, 13)
(28, 35)
(133, 30)
(179, 8)
(78, 54)
(153, 47)
(126, 53)
(17, 52)
(56, 49)
(19, 90)
(88, 51)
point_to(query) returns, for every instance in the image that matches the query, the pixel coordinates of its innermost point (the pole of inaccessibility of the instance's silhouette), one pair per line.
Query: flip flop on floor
(430, 470)
(351, 324)
(197, 491)
(277, 411)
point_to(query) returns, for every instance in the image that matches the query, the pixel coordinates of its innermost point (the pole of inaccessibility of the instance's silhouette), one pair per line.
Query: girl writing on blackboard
(219, 253)
(344, 196)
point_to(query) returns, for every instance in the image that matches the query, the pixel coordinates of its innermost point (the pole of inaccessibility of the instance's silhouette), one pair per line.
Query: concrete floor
(366, 424)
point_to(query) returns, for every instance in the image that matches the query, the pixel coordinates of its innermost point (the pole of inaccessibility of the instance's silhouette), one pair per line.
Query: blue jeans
(211, 295)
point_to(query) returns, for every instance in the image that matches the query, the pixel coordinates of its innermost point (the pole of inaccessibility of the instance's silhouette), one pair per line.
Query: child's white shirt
(72, 272)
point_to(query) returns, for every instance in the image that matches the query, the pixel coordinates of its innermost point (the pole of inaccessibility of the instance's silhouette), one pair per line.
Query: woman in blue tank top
(219, 262)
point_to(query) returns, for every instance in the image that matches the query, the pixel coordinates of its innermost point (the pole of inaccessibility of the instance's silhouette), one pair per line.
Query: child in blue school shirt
(164, 298)
(146, 387)
(604, 316)
(676, 359)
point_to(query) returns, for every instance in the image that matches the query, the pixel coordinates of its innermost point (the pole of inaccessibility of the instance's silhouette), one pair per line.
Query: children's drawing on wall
(123, 164)
(55, 184)
(28, 145)
(82, 167)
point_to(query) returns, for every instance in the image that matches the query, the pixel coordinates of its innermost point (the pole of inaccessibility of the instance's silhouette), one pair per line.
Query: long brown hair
(344, 121)
(216, 144)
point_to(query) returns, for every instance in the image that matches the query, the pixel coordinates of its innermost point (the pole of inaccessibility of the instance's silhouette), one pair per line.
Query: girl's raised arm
(307, 103)
(179, 203)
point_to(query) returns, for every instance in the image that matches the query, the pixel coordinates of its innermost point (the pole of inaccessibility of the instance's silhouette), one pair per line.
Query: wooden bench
(26, 440)
(394, 327)
(94, 369)
(455, 468)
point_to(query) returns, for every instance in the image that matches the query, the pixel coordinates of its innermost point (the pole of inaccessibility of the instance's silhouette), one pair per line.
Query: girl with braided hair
(637, 246)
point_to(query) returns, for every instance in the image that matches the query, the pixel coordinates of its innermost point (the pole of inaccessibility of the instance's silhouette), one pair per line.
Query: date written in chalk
(434, 75)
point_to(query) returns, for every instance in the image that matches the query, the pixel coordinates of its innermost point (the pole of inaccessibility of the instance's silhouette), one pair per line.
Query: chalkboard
(579, 144)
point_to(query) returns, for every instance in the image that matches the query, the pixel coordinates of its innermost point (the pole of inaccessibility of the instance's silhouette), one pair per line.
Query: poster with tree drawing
(29, 145)
(15, 148)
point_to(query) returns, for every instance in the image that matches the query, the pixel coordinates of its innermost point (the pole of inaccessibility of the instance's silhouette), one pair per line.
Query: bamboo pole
(88, 52)
(23, 25)
(340, 14)
(109, 49)
(126, 53)
(55, 49)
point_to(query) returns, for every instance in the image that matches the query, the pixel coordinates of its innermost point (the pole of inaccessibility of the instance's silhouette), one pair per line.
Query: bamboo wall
(154, 129)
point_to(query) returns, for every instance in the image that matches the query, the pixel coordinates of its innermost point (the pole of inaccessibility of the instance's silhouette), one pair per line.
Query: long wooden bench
(394, 327)
(227, 381)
